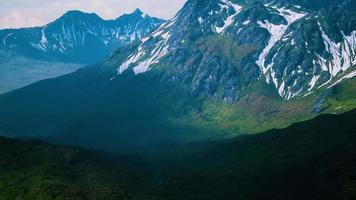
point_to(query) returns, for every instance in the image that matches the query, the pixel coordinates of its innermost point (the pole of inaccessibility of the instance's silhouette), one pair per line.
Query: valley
(229, 99)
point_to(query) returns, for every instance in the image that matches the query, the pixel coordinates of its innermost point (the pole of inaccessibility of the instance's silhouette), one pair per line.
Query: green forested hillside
(312, 160)
(35, 170)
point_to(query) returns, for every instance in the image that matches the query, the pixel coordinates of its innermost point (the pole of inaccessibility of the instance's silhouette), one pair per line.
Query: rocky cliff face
(219, 47)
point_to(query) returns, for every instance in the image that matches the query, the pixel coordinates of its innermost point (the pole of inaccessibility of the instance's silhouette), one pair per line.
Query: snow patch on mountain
(230, 19)
(347, 76)
(277, 33)
(339, 59)
(341, 56)
(160, 51)
(313, 82)
(131, 59)
(200, 20)
(142, 60)
(246, 22)
(6, 37)
(44, 40)
(342, 53)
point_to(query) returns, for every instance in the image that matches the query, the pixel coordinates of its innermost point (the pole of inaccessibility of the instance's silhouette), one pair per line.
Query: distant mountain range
(218, 69)
(73, 40)
(78, 37)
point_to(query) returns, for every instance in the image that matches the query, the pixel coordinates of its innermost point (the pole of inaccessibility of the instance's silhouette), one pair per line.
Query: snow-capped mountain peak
(219, 47)
(79, 37)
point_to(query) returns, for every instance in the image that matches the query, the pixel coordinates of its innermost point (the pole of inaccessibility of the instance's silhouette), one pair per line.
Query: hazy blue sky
(24, 13)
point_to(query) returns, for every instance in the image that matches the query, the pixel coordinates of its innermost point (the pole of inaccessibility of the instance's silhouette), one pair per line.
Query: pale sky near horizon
(28, 13)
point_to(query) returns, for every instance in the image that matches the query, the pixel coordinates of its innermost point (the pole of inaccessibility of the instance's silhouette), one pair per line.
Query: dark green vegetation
(35, 170)
(312, 160)
(262, 109)
(224, 47)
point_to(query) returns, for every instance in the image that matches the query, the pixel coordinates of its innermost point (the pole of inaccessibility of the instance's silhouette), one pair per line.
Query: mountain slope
(309, 160)
(35, 170)
(231, 44)
(137, 113)
(191, 79)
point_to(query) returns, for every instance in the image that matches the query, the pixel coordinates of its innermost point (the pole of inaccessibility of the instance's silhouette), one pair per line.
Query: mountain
(239, 67)
(78, 37)
(309, 160)
(231, 44)
(75, 39)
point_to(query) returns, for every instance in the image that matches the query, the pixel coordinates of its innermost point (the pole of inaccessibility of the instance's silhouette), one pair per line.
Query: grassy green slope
(344, 98)
(262, 109)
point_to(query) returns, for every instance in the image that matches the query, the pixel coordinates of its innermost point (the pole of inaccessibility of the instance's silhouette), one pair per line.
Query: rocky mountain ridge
(78, 37)
(294, 48)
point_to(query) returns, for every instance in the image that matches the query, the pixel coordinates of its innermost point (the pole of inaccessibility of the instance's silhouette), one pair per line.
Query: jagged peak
(137, 11)
(79, 14)
(137, 15)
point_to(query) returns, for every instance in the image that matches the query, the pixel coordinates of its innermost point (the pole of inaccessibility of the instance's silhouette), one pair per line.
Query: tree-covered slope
(35, 170)
(312, 160)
